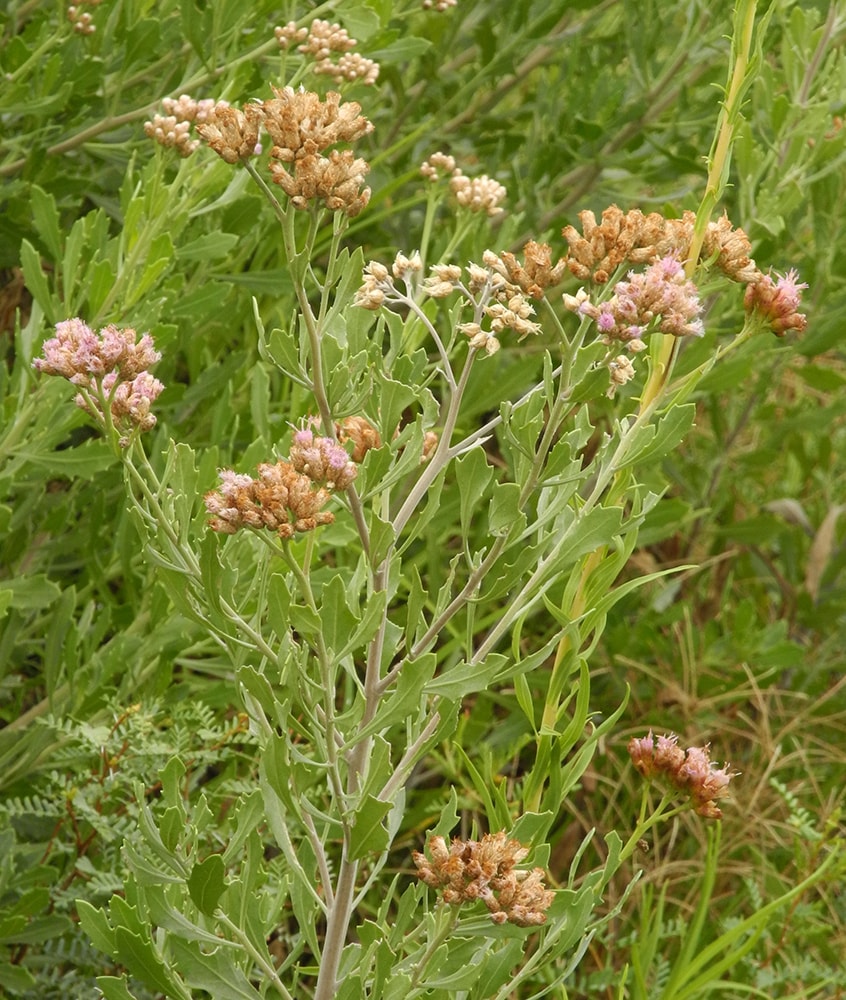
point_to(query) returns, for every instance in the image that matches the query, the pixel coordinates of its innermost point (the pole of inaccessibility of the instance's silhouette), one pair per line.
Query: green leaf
(215, 972)
(368, 836)
(504, 513)
(16, 978)
(95, 922)
(114, 988)
(143, 960)
(473, 475)
(36, 281)
(32, 592)
(206, 883)
(45, 216)
(208, 247)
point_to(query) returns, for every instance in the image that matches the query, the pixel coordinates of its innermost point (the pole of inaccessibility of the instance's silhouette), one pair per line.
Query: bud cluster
(468, 870)
(689, 771)
(331, 49)
(80, 19)
(323, 460)
(777, 302)
(173, 128)
(110, 369)
(478, 194)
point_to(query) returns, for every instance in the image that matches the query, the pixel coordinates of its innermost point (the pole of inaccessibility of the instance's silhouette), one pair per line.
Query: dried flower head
(110, 370)
(302, 125)
(360, 433)
(537, 273)
(232, 134)
(280, 499)
(470, 870)
(689, 771)
(336, 180)
(778, 302)
(731, 247)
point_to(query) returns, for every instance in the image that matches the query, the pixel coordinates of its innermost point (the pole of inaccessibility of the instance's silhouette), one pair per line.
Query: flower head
(689, 771)
(470, 870)
(778, 301)
(280, 499)
(661, 294)
(110, 370)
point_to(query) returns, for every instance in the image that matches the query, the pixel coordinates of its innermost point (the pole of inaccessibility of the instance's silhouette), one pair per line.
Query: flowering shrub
(384, 526)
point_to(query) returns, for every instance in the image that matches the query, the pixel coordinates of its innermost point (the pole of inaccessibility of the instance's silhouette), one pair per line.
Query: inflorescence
(288, 496)
(330, 48)
(469, 870)
(690, 771)
(110, 368)
(301, 127)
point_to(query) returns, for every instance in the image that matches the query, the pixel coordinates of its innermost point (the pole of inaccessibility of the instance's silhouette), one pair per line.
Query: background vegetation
(570, 106)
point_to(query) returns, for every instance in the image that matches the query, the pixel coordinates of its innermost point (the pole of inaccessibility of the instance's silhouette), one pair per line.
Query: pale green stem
(262, 961)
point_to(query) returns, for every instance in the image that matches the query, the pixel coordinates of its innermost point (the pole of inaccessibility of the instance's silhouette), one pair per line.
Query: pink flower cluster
(689, 771)
(110, 368)
(662, 292)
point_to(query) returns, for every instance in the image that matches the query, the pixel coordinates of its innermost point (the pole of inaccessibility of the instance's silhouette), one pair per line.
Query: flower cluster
(478, 194)
(499, 304)
(689, 771)
(777, 302)
(468, 870)
(331, 48)
(360, 433)
(280, 499)
(661, 293)
(322, 460)
(301, 127)
(634, 238)
(286, 497)
(81, 19)
(438, 5)
(173, 128)
(110, 368)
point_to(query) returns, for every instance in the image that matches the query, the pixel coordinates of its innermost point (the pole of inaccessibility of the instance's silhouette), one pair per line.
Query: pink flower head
(113, 363)
(778, 301)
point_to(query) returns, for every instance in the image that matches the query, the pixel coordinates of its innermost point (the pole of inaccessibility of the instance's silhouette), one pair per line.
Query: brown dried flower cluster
(302, 127)
(634, 238)
(231, 133)
(537, 273)
(689, 771)
(468, 870)
(360, 433)
(280, 499)
(331, 48)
